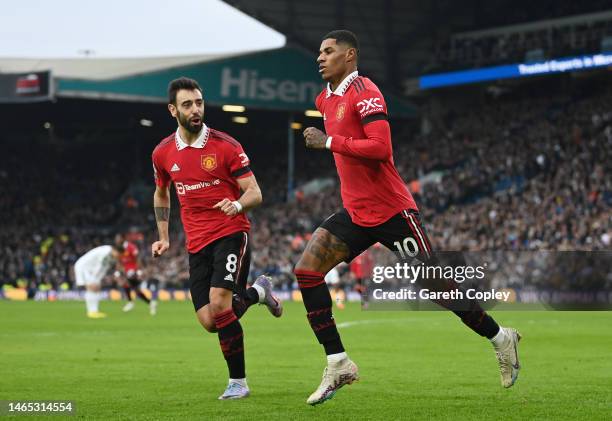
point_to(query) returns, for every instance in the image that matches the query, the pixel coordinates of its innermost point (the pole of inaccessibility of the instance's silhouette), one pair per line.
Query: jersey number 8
(232, 259)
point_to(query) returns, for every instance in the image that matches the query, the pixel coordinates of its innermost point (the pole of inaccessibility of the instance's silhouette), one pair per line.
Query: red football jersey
(129, 257)
(203, 174)
(371, 188)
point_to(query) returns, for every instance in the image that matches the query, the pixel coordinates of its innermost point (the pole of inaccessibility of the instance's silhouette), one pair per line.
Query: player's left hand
(227, 207)
(314, 138)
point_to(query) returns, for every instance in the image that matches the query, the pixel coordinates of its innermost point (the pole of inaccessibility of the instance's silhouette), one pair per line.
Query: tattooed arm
(161, 205)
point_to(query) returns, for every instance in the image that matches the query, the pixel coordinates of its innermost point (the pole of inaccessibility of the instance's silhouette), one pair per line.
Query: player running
(215, 188)
(89, 270)
(377, 208)
(128, 258)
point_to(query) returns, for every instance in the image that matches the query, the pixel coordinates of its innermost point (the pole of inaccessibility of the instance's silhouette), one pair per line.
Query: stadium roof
(391, 32)
(102, 68)
(397, 37)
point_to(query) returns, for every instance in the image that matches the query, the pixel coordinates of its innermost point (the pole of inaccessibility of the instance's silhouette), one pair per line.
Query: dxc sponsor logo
(368, 104)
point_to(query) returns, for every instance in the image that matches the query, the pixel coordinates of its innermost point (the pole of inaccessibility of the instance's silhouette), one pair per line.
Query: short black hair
(181, 83)
(345, 37)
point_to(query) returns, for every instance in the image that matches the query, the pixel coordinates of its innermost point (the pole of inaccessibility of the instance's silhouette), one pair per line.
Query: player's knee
(310, 264)
(208, 325)
(323, 252)
(220, 301)
(303, 264)
(206, 320)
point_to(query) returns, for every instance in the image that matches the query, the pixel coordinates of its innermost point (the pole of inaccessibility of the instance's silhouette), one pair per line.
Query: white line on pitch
(367, 322)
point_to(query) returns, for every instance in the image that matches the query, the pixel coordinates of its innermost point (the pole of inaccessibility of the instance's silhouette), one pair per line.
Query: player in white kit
(332, 279)
(89, 270)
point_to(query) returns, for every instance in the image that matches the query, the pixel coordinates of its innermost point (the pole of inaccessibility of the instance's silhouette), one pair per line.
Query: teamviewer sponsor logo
(182, 188)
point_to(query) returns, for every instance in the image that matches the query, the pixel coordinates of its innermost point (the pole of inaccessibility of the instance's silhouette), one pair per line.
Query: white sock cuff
(260, 291)
(241, 382)
(500, 337)
(336, 358)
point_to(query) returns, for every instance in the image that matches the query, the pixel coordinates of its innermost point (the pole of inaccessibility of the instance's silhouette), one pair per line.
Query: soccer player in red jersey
(377, 208)
(129, 261)
(361, 269)
(215, 187)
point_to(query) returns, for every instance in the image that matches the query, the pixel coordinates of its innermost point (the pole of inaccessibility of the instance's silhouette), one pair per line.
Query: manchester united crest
(209, 162)
(340, 111)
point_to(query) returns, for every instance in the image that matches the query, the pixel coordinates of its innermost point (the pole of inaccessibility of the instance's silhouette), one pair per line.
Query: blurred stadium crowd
(510, 173)
(539, 42)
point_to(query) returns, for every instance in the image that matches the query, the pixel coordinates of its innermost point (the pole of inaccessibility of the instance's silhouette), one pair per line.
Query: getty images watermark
(403, 274)
(506, 280)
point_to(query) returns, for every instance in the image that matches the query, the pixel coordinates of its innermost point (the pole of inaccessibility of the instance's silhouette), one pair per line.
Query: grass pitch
(413, 365)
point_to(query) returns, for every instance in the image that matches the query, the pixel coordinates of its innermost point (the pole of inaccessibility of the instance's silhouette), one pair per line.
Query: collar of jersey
(341, 89)
(199, 143)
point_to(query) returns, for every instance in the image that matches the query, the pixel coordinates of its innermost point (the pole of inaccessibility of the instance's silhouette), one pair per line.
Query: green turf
(414, 365)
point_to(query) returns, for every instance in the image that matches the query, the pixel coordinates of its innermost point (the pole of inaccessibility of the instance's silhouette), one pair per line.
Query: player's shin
(318, 303)
(468, 310)
(479, 321)
(91, 301)
(128, 292)
(232, 344)
(142, 296)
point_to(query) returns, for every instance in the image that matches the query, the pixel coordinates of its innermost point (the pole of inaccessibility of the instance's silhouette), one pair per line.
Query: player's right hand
(159, 247)
(314, 138)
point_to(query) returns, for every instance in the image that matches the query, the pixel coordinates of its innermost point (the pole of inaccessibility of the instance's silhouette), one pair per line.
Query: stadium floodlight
(313, 113)
(296, 126)
(233, 108)
(240, 119)
(146, 123)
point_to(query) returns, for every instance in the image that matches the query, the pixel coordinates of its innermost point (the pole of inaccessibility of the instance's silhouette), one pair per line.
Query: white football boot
(334, 377)
(507, 357)
(263, 285)
(235, 391)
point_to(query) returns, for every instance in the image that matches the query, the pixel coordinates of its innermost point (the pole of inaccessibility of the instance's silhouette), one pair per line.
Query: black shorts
(224, 263)
(403, 234)
(132, 277)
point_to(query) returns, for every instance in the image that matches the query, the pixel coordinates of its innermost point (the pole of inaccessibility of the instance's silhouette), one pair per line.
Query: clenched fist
(159, 247)
(227, 207)
(314, 138)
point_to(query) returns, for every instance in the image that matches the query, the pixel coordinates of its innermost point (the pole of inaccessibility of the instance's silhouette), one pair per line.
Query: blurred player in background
(333, 281)
(361, 272)
(128, 258)
(378, 208)
(215, 188)
(89, 271)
